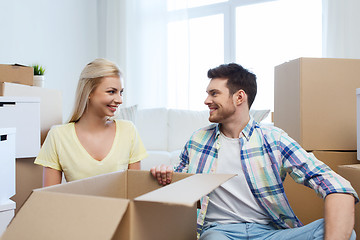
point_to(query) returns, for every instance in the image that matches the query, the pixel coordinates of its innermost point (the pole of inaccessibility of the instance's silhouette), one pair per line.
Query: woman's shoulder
(61, 129)
(125, 128)
(124, 123)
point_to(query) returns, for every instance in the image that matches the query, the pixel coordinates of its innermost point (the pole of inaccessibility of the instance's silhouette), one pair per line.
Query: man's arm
(339, 216)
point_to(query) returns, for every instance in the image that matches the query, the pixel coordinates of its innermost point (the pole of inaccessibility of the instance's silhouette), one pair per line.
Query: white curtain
(111, 30)
(341, 35)
(129, 34)
(146, 66)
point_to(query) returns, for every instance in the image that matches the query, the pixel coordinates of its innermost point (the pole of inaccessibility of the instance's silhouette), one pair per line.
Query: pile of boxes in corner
(26, 114)
(14, 74)
(316, 104)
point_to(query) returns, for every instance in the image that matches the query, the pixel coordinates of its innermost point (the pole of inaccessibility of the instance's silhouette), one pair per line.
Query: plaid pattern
(268, 154)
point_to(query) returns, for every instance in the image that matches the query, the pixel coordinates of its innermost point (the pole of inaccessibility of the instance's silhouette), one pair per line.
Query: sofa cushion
(175, 157)
(182, 124)
(152, 127)
(259, 115)
(126, 113)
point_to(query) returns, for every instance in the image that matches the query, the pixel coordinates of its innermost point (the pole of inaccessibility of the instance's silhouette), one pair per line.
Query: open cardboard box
(128, 205)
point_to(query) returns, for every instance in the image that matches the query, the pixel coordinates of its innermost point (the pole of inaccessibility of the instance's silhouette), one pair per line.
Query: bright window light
(182, 4)
(269, 34)
(258, 36)
(194, 47)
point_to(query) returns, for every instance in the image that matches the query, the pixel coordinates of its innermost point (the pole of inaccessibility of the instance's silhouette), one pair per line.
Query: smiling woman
(92, 144)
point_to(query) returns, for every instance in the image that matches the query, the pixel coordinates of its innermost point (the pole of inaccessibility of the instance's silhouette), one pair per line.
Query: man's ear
(240, 97)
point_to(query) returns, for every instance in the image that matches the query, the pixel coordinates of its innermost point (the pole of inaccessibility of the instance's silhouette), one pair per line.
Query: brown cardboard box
(50, 103)
(28, 177)
(307, 206)
(121, 205)
(315, 102)
(17, 74)
(352, 174)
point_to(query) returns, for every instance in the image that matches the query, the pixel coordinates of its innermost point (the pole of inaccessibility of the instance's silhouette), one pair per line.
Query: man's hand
(162, 173)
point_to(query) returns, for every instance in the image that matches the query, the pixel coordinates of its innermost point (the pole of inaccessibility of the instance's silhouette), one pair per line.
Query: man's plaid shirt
(268, 154)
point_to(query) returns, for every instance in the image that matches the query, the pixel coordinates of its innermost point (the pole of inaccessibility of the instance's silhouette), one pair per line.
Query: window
(258, 35)
(276, 32)
(183, 4)
(193, 47)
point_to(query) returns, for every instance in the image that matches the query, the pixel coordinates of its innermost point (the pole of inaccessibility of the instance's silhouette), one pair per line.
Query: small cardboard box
(352, 174)
(122, 205)
(17, 74)
(307, 206)
(315, 102)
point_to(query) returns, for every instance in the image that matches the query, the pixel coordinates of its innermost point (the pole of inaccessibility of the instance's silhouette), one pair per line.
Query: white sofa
(164, 132)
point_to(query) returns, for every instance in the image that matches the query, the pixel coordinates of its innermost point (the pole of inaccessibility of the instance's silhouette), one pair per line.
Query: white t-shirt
(233, 201)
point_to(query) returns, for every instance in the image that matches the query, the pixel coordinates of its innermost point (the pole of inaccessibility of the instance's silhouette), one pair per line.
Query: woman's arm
(136, 165)
(51, 176)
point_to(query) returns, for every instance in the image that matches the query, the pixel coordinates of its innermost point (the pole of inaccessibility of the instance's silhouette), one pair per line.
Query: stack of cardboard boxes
(17, 81)
(315, 103)
(12, 138)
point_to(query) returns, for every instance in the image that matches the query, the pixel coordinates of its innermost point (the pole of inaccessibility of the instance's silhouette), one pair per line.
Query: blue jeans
(254, 231)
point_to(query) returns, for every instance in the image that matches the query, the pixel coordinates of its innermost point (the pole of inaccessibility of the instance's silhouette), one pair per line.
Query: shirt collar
(249, 128)
(246, 132)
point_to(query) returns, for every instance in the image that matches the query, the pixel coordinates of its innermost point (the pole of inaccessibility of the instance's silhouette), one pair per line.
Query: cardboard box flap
(352, 166)
(186, 191)
(104, 185)
(51, 215)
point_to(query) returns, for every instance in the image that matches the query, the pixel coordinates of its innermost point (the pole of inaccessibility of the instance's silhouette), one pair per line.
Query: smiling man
(253, 205)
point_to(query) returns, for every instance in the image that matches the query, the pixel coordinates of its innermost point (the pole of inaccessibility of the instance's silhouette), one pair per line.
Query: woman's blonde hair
(89, 79)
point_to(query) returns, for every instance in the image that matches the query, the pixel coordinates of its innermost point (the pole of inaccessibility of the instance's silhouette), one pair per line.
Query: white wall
(61, 35)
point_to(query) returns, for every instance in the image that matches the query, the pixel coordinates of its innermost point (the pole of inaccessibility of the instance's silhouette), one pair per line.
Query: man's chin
(213, 120)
